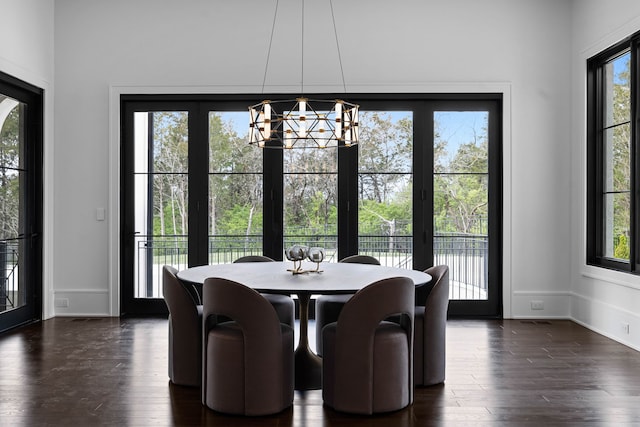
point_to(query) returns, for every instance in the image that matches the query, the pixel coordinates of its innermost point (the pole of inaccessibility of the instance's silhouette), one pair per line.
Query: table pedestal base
(308, 370)
(308, 366)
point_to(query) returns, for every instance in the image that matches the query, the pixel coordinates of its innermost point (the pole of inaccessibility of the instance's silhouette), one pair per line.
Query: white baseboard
(608, 320)
(81, 302)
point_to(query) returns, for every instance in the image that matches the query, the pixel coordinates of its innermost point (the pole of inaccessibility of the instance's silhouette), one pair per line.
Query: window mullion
(198, 185)
(423, 187)
(347, 202)
(273, 196)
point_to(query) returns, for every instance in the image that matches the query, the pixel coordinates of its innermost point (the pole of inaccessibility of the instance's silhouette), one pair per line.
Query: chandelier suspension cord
(302, 51)
(273, 28)
(335, 32)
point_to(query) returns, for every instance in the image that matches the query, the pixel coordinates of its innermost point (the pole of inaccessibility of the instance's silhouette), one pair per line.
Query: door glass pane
(385, 187)
(310, 199)
(160, 197)
(12, 198)
(235, 189)
(460, 200)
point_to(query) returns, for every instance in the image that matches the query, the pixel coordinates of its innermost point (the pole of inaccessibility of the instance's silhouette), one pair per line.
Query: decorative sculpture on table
(297, 253)
(316, 255)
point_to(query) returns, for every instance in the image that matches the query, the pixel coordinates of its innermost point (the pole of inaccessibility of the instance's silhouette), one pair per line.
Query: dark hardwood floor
(93, 372)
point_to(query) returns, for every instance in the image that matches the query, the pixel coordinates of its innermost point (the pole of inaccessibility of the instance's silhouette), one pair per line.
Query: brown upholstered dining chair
(429, 347)
(247, 362)
(328, 306)
(284, 305)
(367, 362)
(185, 329)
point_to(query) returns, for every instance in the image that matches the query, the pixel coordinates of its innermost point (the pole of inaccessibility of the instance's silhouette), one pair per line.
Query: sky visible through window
(455, 127)
(621, 69)
(460, 127)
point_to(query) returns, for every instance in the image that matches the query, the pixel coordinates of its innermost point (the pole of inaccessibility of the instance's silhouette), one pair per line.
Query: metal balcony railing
(466, 256)
(9, 285)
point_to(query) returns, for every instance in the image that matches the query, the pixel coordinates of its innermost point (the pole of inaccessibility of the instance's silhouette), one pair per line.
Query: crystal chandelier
(303, 122)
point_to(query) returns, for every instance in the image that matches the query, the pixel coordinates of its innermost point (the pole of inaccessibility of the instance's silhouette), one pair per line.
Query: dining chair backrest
(437, 274)
(431, 328)
(439, 292)
(266, 382)
(238, 302)
(352, 378)
(170, 273)
(185, 329)
(328, 307)
(177, 294)
(254, 258)
(361, 259)
(284, 305)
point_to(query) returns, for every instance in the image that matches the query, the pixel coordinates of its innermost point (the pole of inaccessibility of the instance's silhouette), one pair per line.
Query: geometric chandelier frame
(303, 123)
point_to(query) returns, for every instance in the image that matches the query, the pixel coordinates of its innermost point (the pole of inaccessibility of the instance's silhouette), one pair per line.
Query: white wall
(26, 52)
(603, 300)
(519, 47)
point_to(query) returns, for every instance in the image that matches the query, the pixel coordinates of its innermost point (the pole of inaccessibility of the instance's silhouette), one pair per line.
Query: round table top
(273, 276)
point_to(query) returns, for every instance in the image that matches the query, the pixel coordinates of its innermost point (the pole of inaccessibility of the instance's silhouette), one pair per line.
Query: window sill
(616, 277)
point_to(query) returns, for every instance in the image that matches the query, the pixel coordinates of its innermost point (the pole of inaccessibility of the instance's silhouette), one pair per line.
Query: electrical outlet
(625, 328)
(62, 302)
(537, 305)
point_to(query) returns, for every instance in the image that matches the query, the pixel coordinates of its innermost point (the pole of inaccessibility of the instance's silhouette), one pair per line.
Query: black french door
(466, 188)
(423, 187)
(181, 168)
(21, 136)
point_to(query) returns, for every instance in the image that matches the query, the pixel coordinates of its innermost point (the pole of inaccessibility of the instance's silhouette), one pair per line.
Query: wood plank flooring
(113, 372)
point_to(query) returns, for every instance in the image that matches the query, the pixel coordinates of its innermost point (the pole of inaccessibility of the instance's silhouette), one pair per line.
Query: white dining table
(274, 277)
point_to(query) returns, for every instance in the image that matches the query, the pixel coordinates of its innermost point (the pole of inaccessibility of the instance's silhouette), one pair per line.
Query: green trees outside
(170, 190)
(461, 183)
(9, 176)
(385, 181)
(385, 186)
(235, 183)
(618, 157)
(310, 192)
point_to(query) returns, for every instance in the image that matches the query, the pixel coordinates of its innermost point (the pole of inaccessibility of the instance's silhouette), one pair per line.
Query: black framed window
(612, 178)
